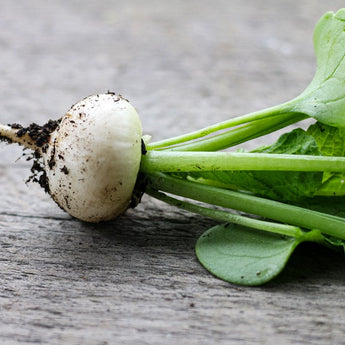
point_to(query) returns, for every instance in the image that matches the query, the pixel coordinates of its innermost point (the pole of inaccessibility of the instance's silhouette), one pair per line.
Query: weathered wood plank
(136, 280)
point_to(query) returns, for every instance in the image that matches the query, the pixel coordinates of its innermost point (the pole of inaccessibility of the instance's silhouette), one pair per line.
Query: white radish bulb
(93, 157)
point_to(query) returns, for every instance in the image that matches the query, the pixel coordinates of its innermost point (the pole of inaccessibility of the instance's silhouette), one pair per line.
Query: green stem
(237, 121)
(316, 237)
(241, 134)
(175, 161)
(282, 229)
(285, 213)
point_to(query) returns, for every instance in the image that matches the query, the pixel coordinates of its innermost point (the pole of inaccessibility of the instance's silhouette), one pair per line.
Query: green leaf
(242, 255)
(324, 99)
(283, 186)
(295, 142)
(331, 142)
(333, 185)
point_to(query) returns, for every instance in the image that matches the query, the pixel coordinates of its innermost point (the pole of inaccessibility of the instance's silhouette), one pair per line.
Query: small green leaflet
(242, 255)
(324, 99)
(296, 142)
(331, 142)
(245, 256)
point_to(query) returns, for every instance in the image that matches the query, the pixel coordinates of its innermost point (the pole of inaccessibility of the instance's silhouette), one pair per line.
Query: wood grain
(136, 280)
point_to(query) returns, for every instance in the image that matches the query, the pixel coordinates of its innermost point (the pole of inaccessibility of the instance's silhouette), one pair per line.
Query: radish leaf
(241, 255)
(245, 256)
(324, 99)
(329, 140)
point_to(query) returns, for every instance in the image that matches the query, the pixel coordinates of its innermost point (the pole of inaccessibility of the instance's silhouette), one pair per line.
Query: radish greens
(289, 185)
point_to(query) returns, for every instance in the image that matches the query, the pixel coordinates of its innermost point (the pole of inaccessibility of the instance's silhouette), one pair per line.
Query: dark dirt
(40, 134)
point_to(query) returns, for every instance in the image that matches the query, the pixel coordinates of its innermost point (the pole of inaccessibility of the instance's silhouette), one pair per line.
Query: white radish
(92, 158)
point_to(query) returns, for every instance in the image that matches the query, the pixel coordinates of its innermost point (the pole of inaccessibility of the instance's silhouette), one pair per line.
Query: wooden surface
(136, 280)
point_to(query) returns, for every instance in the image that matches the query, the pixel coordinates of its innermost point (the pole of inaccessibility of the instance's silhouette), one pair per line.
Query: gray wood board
(136, 280)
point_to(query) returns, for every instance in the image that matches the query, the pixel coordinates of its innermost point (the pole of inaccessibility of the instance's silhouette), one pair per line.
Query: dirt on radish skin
(89, 161)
